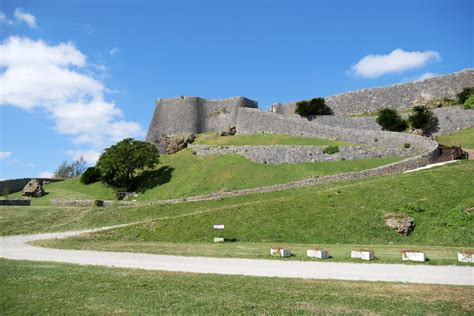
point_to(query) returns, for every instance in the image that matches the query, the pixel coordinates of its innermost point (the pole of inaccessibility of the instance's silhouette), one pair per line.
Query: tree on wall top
(313, 107)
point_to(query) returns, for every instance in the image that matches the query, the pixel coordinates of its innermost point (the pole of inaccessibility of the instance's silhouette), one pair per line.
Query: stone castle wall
(16, 185)
(195, 115)
(398, 96)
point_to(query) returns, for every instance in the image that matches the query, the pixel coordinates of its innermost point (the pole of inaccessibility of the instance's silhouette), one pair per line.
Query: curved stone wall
(194, 115)
(281, 154)
(398, 96)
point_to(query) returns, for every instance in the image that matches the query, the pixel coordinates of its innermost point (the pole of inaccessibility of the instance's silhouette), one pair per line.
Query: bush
(423, 118)
(469, 103)
(313, 107)
(465, 94)
(407, 145)
(331, 150)
(91, 175)
(122, 164)
(390, 120)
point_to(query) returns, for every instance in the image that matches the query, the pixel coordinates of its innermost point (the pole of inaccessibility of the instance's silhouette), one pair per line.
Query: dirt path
(17, 248)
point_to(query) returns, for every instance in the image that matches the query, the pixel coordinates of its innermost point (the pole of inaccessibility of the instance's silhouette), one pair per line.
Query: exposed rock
(458, 153)
(174, 143)
(229, 131)
(469, 210)
(34, 188)
(417, 131)
(124, 196)
(403, 224)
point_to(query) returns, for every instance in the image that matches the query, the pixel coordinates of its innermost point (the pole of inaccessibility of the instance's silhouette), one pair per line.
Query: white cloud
(46, 174)
(114, 51)
(55, 78)
(373, 66)
(5, 154)
(23, 16)
(91, 156)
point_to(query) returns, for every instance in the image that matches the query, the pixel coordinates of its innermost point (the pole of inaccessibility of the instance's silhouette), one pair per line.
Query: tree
(70, 170)
(315, 106)
(390, 120)
(121, 164)
(464, 95)
(91, 175)
(423, 118)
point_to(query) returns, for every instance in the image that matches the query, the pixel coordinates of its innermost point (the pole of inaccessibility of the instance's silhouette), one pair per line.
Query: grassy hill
(184, 174)
(463, 138)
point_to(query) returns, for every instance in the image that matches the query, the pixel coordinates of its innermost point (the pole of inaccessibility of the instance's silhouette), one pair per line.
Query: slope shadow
(152, 178)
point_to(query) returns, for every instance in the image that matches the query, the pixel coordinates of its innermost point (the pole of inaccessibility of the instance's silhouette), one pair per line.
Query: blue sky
(76, 76)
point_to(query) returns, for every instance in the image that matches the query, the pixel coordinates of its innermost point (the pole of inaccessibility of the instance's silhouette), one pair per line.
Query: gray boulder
(402, 224)
(34, 188)
(175, 143)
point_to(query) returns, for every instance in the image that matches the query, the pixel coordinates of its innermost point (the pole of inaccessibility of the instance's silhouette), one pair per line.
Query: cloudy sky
(77, 76)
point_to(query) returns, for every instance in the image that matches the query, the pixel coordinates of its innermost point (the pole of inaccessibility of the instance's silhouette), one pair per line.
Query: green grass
(52, 288)
(212, 138)
(337, 213)
(191, 175)
(463, 138)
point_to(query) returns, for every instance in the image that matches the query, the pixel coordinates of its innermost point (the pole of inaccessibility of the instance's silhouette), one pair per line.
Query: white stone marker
(285, 252)
(317, 253)
(218, 239)
(362, 254)
(466, 257)
(413, 256)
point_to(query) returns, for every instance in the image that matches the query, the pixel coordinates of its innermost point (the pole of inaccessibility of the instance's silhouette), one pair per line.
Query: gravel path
(17, 248)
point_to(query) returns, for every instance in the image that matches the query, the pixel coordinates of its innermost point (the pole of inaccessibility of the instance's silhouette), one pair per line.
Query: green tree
(70, 170)
(390, 120)
(121, 165)
(315, 106)
(423, 118)
(464, 95)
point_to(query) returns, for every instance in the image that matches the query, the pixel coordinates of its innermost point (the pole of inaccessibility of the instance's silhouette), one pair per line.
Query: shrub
(469, 103)
(423, 118)
(122, 164)
(331, 150)
(407, 145)
(390, 120)
(465, 94)
(316, 106)
(91, 175)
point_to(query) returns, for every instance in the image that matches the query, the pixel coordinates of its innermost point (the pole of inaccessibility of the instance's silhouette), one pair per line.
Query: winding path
(17, 248)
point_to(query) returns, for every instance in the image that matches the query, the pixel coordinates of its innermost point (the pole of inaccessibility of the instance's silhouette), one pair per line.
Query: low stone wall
(74, 202)
(25, 202)
(398, 96)
(281, 154)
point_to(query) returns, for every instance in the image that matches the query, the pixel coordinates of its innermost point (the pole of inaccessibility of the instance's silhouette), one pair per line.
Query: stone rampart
(16, 185)
(398, 96)
(281, 154)
(195, 115)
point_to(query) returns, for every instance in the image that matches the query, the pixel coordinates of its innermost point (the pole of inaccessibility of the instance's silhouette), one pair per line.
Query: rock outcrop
(402, 224)
(34, 188)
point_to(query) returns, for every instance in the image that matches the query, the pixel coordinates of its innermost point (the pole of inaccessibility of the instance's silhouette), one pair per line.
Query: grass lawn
(189, 175)
(212, 138)
(337, 213)
(52, 288)
(463, 138)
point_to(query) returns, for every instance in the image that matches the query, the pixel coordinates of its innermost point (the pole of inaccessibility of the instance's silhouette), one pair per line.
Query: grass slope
(463, 138)
(338, 213)
(212, 138)
(50, 288)
(190, 175)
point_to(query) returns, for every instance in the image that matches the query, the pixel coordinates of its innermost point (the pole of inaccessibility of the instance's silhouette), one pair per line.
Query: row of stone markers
(365, 254)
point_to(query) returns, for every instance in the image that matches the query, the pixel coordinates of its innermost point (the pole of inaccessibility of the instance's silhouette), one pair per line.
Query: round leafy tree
(390, 120)
(423, 118)
(316, 106)
(122, 164)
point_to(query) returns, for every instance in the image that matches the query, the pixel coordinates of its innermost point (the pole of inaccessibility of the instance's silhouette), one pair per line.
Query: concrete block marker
(218, 239)
(466, 256)
(279, 251)
(363, 255)
(413, 255)
(317, 253)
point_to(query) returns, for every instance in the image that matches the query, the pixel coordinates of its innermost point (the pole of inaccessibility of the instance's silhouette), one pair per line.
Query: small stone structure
(363, 255)
(171, 144)
(16, 202)
(317, 253)
(76, 202)
(402, 224)
(413, 255)
(34, 188)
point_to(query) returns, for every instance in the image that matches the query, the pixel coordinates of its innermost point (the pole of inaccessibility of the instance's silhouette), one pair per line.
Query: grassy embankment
(50, 288)
(463, 138)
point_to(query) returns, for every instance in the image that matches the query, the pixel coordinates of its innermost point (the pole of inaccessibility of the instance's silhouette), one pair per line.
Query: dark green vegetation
(91, 175)
(464, 95)
(463, 138)
(129, 165)
(313, 107)
(45, 288)
(212, 138)
(331, 150)
(390, 120)
(423, 118)
(184, 174)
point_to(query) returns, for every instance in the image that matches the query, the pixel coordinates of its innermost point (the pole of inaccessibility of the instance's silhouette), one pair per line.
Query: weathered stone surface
(175, 143)
(34, 188)
(74, 202)
(404, 225)
(458, 153)
(228, 131)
